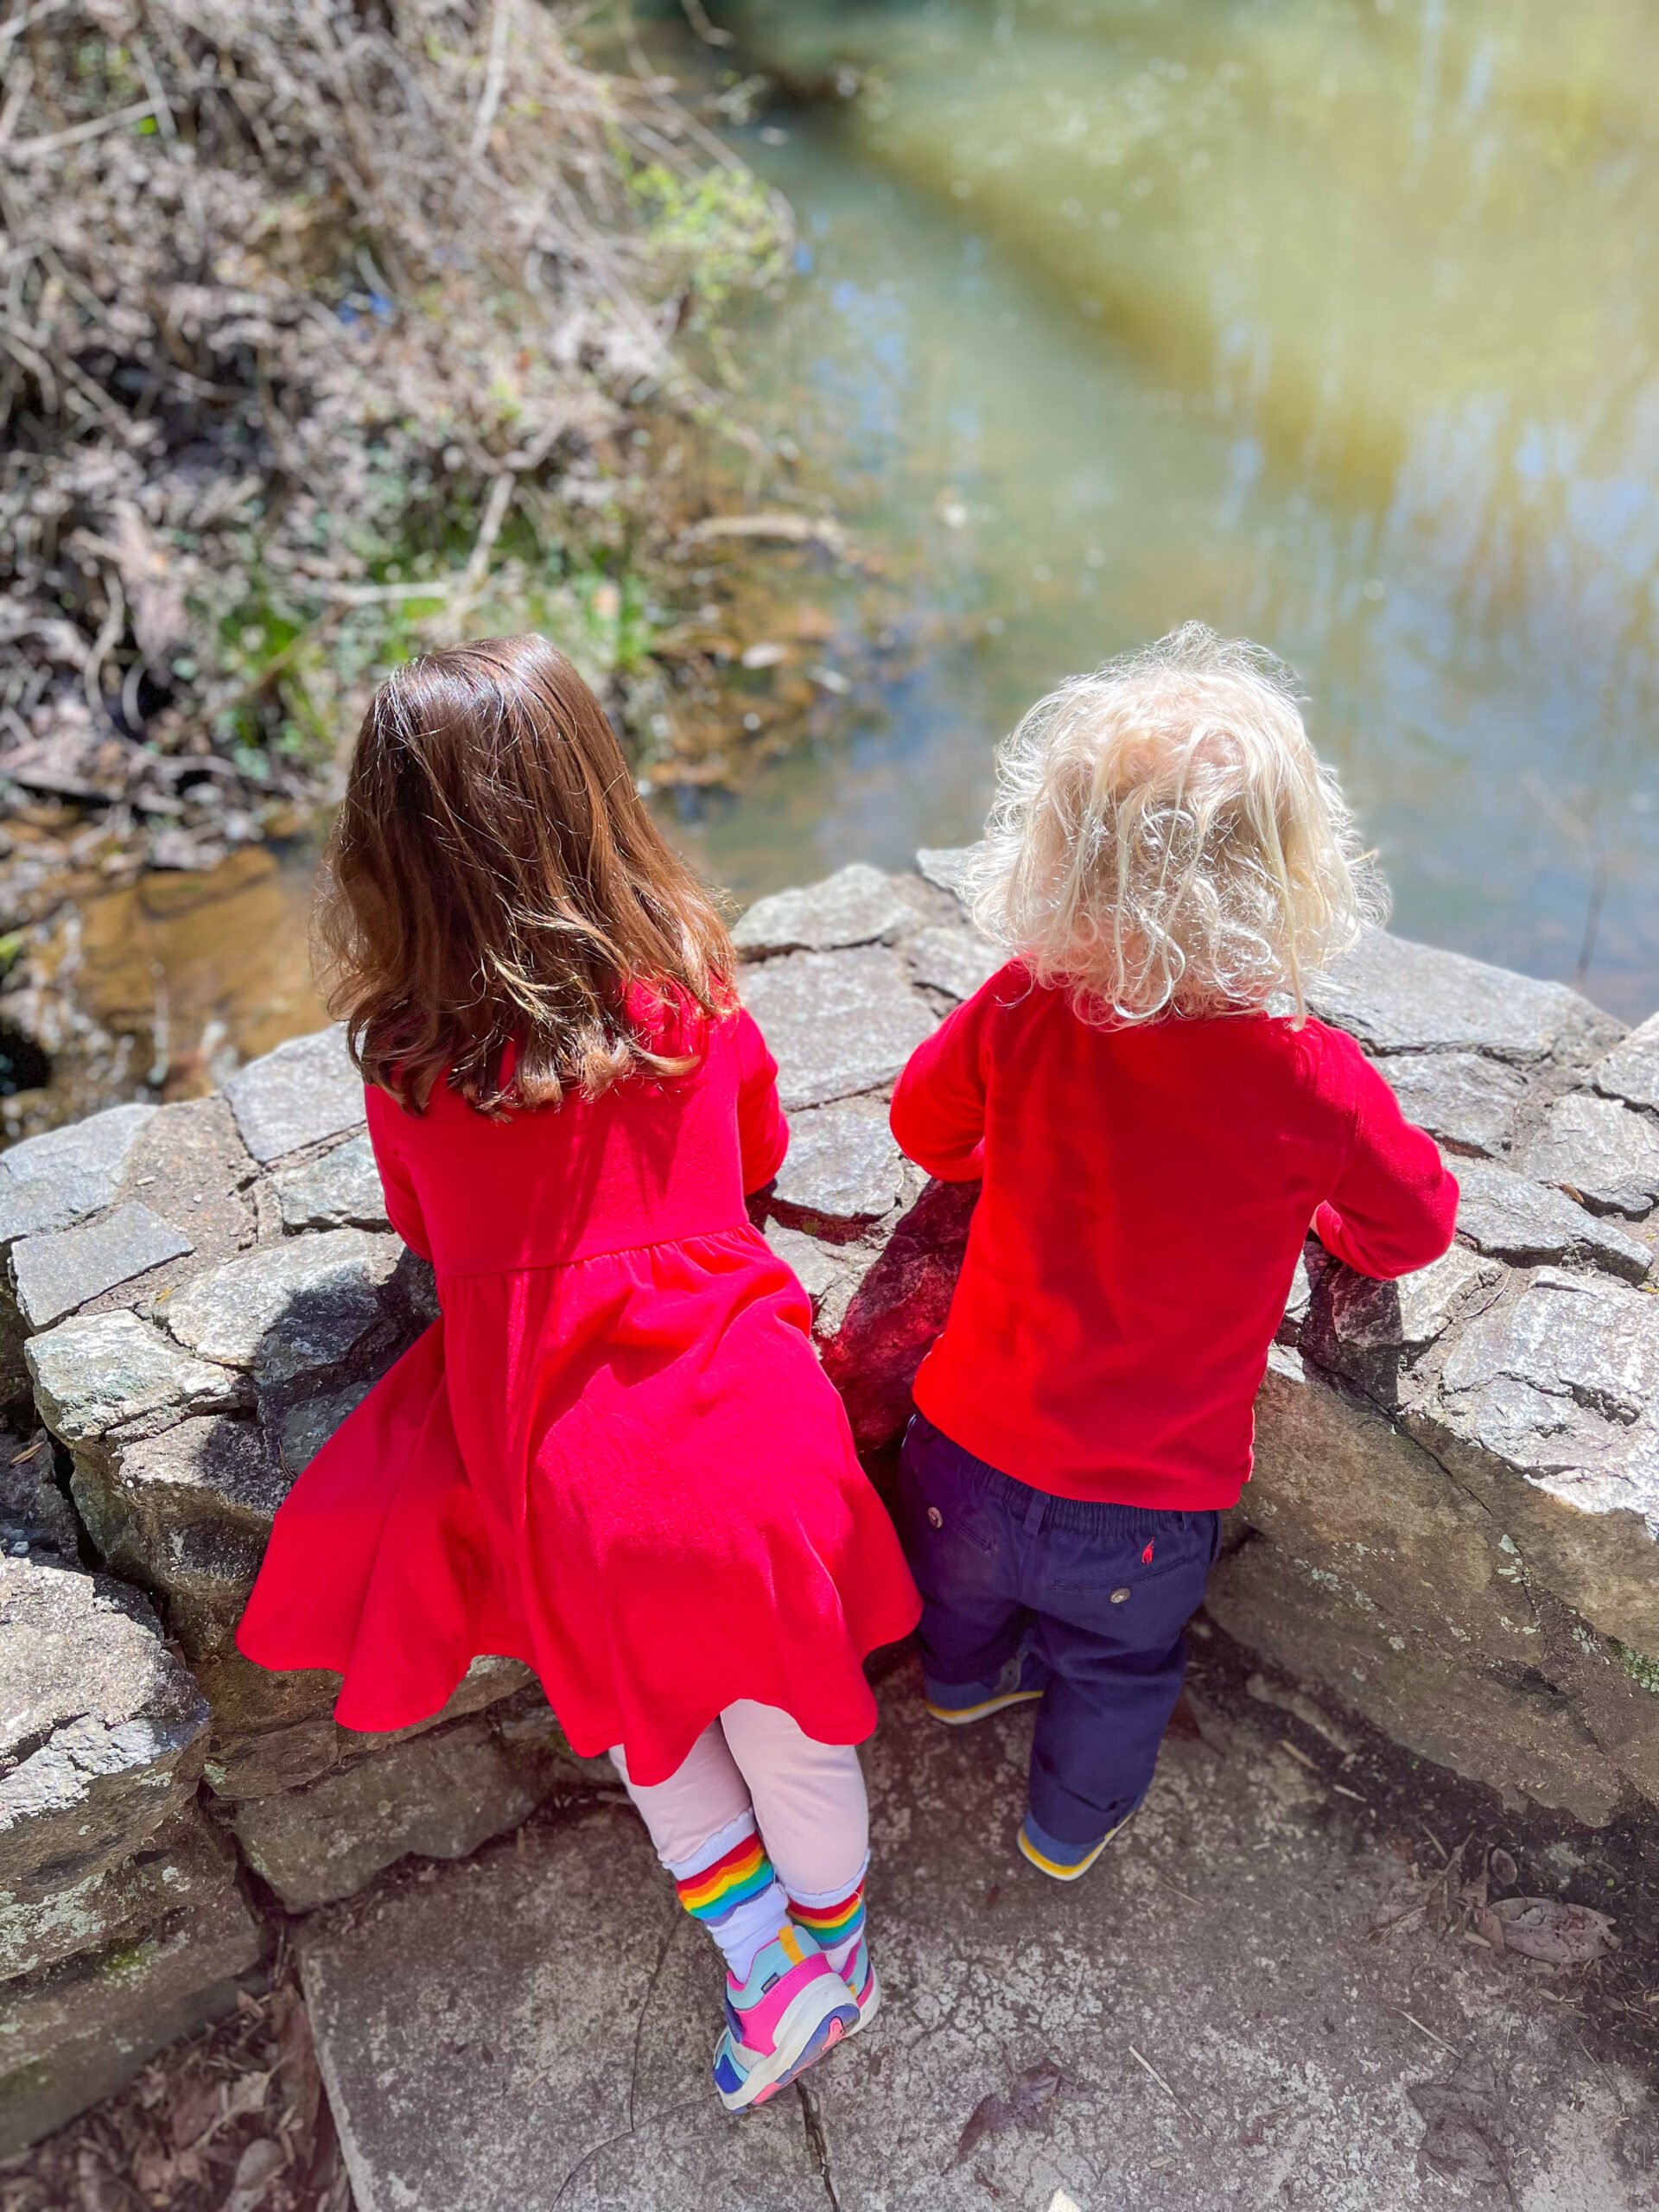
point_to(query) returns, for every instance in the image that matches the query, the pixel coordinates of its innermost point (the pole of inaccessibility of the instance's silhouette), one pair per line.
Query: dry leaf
(195, 2109)
(1501, 1866)
(1546, 1927)
(1030, 2097)
(242, 2095)
(1463, 2126)
(256, 2169)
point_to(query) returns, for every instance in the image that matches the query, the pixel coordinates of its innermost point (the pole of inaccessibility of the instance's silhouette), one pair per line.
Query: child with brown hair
(1156, 1122)
(615, 1456)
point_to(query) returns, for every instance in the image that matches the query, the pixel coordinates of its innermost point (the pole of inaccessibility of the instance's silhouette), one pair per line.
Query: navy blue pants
(1101, 1594)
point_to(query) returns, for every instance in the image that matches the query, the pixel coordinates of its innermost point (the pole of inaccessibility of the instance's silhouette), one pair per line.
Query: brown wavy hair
(494, 887)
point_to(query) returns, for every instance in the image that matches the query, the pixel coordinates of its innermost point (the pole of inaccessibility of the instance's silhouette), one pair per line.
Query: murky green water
(1333, 323)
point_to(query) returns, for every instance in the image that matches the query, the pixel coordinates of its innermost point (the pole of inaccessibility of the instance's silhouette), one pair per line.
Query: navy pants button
(1118, 1596)
(936, 1520)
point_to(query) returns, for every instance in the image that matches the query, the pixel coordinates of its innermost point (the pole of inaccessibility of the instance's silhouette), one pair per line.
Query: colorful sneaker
(791, 2009)
(1025, 1677)
(1063, 1861)
(859, 1974)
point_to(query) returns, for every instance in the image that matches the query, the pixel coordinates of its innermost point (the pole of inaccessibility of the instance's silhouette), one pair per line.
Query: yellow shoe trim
(953, 1716)
(1050, 1866)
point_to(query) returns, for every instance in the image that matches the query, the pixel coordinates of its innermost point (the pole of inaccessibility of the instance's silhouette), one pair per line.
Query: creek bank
(1451, 1532)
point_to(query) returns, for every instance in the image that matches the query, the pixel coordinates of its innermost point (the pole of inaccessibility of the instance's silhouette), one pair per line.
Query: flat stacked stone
(1454, 1509)
(107, 1869)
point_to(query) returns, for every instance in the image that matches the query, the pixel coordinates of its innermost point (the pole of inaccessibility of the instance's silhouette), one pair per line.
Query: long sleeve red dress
(615, 1456)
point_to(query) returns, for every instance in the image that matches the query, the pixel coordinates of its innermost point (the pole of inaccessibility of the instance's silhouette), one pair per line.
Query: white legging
(807, 1798)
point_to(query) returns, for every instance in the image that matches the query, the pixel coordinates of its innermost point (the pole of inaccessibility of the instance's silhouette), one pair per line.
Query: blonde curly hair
(1164, 839)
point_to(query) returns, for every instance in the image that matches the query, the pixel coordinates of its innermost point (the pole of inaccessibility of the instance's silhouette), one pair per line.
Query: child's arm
(402, 1207)
(1395, 1206)
(762, 1132)
(939, 1104)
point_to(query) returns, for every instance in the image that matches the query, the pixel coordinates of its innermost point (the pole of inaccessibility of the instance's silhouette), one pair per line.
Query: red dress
(615, 1457)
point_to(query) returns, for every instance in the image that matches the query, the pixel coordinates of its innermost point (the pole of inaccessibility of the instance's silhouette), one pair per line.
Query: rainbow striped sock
(735, 1895)
(834, 1918)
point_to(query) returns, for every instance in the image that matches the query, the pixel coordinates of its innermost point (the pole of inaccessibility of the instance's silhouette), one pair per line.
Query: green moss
(1642, 1671)
(127, 1958)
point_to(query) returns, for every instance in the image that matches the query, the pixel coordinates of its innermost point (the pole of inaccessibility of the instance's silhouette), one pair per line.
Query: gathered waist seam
(609, 1252)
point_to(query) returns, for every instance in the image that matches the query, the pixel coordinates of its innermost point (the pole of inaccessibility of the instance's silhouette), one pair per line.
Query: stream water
(1333, 321)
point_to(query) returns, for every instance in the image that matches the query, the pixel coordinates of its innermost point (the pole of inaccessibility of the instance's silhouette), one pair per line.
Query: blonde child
(615, 1456)
(1156, 1122)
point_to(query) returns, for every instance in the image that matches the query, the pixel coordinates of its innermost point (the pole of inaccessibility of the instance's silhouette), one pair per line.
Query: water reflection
(1336, 323)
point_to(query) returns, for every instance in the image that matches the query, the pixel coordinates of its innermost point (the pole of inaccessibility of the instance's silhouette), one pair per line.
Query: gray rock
(1503, 1214)
(1338, 1488)
(185, 1863)
(186, 1514)
(341, 1191)
(1352, 1315)
(77, 2034)
(1547, 1408)
(1395, 996)
(839, 1023)
(856, 906)
(1418, 1688)
(947, 865)
(50, 1181)
(439, 1794)
(1599, 1151)
(1630, 1070)
(954, 961)
(842, 1164)
(610, 2085)
(1462, 1099)
(1585, 1343)
(305, 1090)
(55, 1272)
(818, 1266)
(105, 1371)
(286, 1308)
(282, 1757)
(102, 1732)
(1297, 1305)
(998, 1986)
(303, 1429)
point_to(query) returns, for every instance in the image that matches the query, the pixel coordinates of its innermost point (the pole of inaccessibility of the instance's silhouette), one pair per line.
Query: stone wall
(1451, 1527)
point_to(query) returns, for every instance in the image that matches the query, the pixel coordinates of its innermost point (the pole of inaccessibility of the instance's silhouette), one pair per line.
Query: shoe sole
(959, 1716)
(1055, 1872)
(817, 2021)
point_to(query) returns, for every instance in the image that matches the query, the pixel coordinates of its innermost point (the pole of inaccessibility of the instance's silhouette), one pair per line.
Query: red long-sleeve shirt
(1146, 1189)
